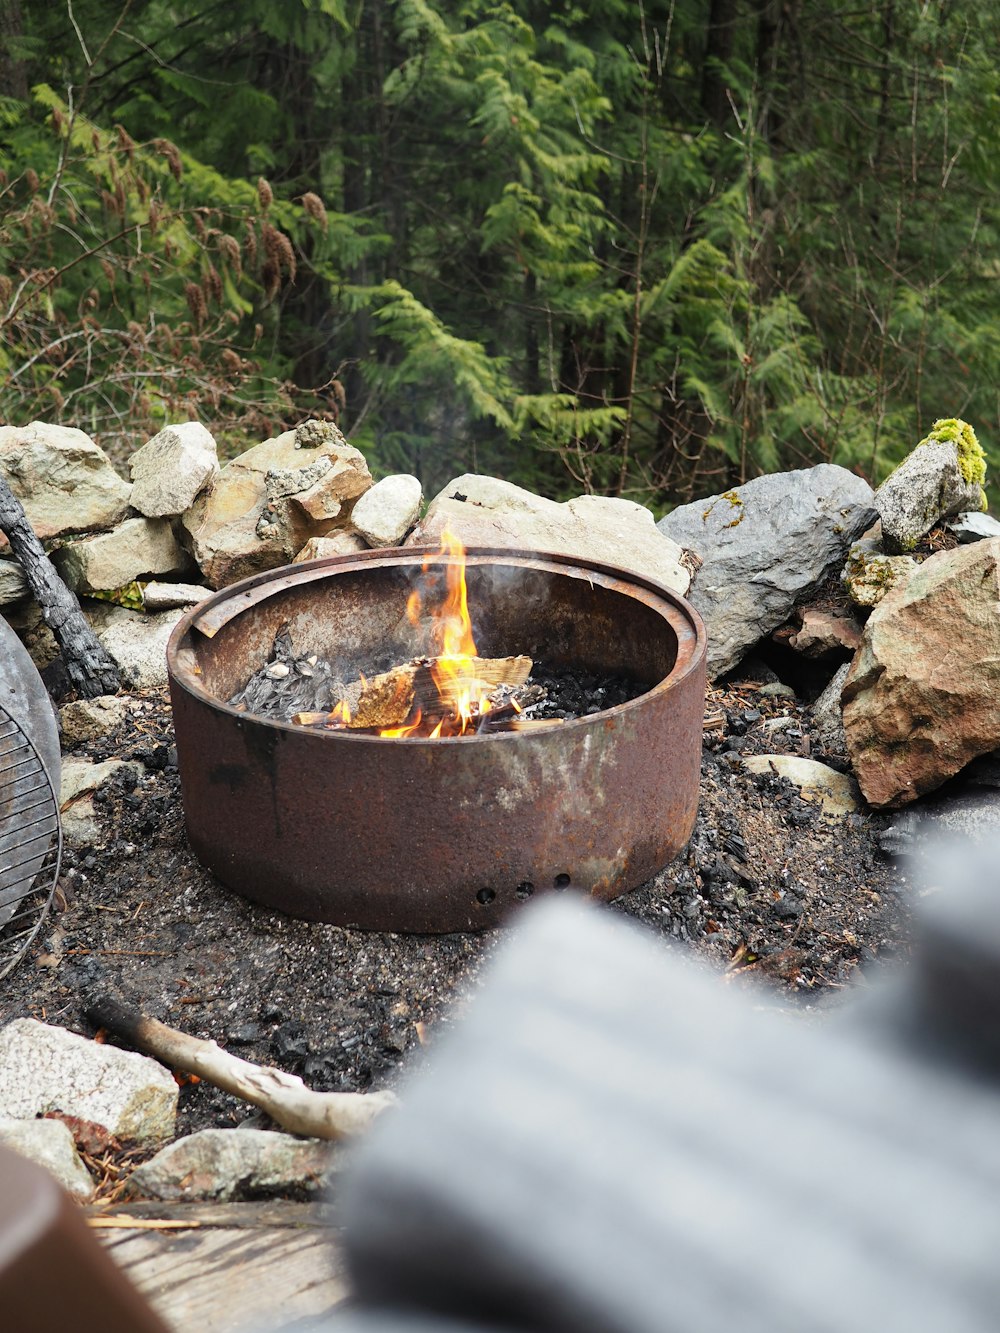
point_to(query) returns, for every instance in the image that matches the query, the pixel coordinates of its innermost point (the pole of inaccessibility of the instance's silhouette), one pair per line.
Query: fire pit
(418, 833)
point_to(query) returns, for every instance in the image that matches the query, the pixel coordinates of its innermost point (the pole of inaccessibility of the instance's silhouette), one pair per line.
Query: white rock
(80, 827)
(49, 1143)
(385, 514)
(167, 596)
(13, 583)
(341, 542)
(224, 1164)
(485, 511)
(87, 719)
(64, 481)
(135, 549)
(45, 1068)
(172, 469)
(837, 793)
(136, 641)
(80, 778)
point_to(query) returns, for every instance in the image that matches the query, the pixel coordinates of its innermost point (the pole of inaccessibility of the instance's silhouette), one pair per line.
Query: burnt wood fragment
(92, 670)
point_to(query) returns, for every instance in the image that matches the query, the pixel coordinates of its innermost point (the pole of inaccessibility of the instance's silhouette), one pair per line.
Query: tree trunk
(92, 671)
(718, 50)
(13, 72)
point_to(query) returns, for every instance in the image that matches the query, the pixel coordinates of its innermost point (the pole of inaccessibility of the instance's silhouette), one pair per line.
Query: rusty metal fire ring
(416, 834)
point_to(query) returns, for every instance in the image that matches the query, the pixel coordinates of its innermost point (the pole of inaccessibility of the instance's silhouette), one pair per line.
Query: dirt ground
(768, 889)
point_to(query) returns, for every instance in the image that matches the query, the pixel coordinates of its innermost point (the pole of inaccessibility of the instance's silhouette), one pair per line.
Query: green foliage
(600, 246)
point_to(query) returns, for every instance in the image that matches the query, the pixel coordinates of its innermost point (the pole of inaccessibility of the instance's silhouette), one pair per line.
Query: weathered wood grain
(239, 1266)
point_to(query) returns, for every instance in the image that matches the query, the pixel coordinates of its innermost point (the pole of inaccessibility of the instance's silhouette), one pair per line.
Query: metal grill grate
(30, 843)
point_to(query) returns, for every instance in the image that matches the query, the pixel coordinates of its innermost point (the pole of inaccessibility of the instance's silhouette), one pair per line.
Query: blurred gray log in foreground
(612, 1141)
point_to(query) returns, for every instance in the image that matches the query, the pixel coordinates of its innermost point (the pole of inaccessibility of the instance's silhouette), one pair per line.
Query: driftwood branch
(92, 670)
(285, 1098)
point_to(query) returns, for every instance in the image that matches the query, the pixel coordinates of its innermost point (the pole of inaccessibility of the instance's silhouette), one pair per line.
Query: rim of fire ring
(227, 604)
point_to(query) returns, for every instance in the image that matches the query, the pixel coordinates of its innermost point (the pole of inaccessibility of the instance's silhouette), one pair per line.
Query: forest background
(647, 249)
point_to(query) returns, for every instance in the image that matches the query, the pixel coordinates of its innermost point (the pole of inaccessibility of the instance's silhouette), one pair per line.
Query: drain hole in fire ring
(524, 890)
(562, 881)
(485, 896)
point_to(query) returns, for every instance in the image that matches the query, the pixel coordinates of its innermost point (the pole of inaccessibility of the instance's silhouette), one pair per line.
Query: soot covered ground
(769, 888)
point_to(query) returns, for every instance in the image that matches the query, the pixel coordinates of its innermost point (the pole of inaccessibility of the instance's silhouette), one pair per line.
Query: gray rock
(968, 811)
(49, 1143)
(973, 526)
(485, 511)
(927, 486)
(828, 714)
(227, 1164)
(137, 642)
(765, 547)
(386, 513)
(837, 793)
(65, 482)
(172, 469)
(45, 1068)
(13, 583)
(136, 549)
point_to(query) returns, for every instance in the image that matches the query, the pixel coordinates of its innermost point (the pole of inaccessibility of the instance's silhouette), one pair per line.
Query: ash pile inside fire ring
(294, 685)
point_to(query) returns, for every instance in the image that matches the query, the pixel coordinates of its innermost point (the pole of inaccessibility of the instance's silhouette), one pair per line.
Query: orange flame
(340, 716)
(448, 629)
(453, 670)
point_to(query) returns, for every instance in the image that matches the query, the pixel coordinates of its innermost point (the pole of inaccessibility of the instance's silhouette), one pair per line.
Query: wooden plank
(221, 1279)
(235, 1216)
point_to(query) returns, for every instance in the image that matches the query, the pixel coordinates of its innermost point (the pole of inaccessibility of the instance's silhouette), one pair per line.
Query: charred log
(91, 669)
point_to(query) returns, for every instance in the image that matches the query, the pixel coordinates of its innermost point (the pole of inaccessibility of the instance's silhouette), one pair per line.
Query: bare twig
(285, 1098)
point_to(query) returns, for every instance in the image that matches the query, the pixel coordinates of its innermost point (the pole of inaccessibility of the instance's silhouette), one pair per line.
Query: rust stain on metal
(436, 835)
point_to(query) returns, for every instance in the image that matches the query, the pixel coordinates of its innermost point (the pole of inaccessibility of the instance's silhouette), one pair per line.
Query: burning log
(423, 687)
(285, 1098)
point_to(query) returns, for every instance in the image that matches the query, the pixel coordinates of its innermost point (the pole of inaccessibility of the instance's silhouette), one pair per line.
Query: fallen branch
(285, 1098)
(91, 669)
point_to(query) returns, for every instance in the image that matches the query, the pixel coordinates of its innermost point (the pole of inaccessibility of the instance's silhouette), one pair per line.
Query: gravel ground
(769, 888)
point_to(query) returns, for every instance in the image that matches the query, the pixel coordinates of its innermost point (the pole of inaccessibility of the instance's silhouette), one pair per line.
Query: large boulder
(923, 694)
(264, 506)
(485, 511)
(765, 547)
(63, 480)
(172, 469)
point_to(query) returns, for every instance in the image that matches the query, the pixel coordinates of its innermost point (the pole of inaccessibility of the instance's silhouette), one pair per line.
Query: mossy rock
(971, 458)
